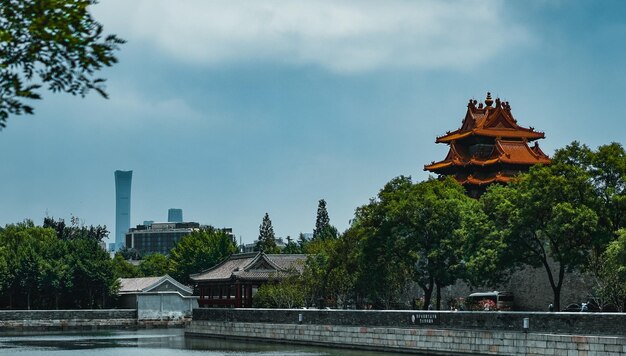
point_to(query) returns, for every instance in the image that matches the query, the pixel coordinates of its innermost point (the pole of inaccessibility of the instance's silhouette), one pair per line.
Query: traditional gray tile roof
(252, 266)
(147, 284)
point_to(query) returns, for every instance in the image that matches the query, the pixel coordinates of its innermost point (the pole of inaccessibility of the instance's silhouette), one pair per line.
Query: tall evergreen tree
(323, 229)
(267, 240)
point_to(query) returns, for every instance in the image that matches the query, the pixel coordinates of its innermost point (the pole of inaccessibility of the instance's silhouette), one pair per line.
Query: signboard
(424, 318)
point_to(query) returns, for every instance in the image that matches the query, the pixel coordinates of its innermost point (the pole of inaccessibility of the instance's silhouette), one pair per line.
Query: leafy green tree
(198, 251)
(129, 253)
(411, 233)
(484, 252)
(267, 240)
(56, 278)
(302, 242)
(292, 247)
(122, 268)
(53, 43)
(154, 265)
(287, 293)
(48, 271)
(75, 230)
(548, 214)
(611, 281)
(92, 274)
(25, 245)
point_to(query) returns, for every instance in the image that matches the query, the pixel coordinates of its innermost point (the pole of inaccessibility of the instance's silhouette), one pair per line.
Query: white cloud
(342, 36)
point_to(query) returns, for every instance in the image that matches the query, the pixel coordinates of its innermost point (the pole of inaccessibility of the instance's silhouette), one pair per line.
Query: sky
(231, 109)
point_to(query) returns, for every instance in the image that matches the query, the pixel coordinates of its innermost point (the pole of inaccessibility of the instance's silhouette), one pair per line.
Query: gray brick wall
(67, 319)
(566, 323)
(489, 333)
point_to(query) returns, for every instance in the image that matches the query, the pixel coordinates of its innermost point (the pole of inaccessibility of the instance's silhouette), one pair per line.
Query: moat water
(153, 342)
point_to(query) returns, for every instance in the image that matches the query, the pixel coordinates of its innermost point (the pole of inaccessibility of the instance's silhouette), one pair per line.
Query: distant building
(122, 206)
(175, 215)
(162, 237)
(148, 222)
(157, 298)
(234, 282)
(158, 237)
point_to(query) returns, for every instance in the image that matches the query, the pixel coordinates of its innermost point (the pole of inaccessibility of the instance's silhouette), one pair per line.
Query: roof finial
(488, 101)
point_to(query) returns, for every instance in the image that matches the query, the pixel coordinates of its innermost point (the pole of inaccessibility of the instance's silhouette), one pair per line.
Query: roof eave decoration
(263, 256)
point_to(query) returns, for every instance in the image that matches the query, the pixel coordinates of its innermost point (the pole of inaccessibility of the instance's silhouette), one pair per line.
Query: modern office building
(122, 206)
(158, 237)
(175, 215)
(162, 237)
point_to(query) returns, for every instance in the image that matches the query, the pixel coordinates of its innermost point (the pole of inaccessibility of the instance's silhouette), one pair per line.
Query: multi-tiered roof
(489, 147)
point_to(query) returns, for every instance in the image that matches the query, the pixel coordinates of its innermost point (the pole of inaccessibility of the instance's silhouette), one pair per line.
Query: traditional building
(489, 147)
(234, 282)
(156, 297)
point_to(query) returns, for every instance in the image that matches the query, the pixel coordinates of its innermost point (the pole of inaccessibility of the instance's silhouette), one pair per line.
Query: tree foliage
(547, 215)
(323, 229)
(611, 273)
(198, 251)
(287, 293)
(44, 269)
(154, 265)
(267, 240)
(410, 231)
(57, 44)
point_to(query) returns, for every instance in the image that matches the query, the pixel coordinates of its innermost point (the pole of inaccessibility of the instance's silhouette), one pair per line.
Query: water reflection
(150, 343)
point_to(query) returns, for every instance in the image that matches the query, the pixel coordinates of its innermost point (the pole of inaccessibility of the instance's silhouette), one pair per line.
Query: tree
(411, 232)
(45, 271)
(76, 230)
(611, 276)
(548, 214)
(92, 274)
(53, 43)
(267, 240)
(198, 251)
(605, 169)
(56, 278)
(154, 265)
(122, 268)
(286, 293)
(323, 229)
(292, 247)
(302, 242)
(484, 252)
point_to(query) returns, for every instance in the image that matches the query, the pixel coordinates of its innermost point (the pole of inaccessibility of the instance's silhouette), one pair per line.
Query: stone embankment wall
(67, 319)
(495, 333)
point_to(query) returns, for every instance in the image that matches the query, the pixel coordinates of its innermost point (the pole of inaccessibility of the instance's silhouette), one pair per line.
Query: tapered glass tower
(122, 206)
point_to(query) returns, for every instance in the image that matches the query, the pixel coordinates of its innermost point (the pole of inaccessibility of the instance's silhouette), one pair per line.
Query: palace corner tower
(489, 147)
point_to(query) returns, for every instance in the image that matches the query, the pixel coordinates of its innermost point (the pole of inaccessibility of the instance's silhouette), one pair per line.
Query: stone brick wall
(531, 288)
(428, 341)
(564, 323)
(67, 319)
(423, 331)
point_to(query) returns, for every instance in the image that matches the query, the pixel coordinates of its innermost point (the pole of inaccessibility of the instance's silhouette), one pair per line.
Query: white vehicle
(503, 300)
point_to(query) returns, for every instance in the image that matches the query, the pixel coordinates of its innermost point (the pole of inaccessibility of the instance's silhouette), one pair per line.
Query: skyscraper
(175, 215)
(122, 206)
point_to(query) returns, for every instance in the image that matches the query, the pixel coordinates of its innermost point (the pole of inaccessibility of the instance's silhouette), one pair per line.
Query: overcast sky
(230, 109)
